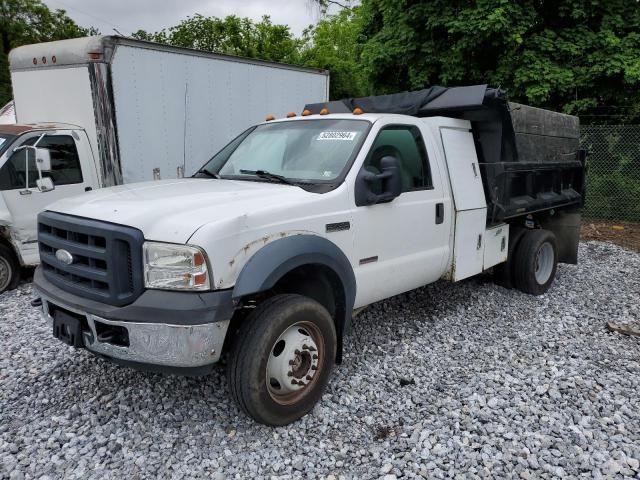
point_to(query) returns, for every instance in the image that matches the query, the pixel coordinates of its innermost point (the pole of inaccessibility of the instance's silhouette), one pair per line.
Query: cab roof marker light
(94, 55)
(324, 111)
(268, 118)
(357, 111)
(306, 113)
(291, 114)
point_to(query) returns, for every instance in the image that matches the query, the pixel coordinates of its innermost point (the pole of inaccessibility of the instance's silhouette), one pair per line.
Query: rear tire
(281, 359)
(535, 262)
(9, 269)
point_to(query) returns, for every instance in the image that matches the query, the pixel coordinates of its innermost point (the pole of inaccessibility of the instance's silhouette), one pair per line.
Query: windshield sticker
(2, 141)
(349, 136)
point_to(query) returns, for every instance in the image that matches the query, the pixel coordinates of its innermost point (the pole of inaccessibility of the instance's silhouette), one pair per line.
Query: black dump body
(530, 158)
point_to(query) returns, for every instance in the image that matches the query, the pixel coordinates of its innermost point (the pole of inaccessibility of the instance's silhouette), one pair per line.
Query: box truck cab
(115, 111)
(39, 164)
(266, 252)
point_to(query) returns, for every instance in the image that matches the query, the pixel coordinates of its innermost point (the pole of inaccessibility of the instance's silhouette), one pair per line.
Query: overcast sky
(153, 15)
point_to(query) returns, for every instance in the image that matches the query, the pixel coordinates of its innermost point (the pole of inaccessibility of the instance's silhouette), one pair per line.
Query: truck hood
(172, 210)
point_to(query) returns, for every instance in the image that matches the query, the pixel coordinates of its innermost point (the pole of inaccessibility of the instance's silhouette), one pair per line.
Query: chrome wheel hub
(293, 361)
(544, 263)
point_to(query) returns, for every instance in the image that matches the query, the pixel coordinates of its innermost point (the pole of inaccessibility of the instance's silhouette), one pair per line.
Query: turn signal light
(95, 55)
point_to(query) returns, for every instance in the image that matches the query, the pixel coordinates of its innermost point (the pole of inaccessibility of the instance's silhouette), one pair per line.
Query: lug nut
(305, 347)
(289, 374)
(312, 349)
(314, 367)
(315, 357)
(297, 352)
(308, 377)
(294, 382)
(291, 362)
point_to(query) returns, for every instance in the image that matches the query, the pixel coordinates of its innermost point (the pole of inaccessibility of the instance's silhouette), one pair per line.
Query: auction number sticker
(349, 136)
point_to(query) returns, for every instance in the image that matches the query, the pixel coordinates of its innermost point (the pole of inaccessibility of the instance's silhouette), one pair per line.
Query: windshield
(306, 151)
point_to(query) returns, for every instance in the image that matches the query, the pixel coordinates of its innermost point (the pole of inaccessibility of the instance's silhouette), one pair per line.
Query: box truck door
(402, 244)
(72, 173)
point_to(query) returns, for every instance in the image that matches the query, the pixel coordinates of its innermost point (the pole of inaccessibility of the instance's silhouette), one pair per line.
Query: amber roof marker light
(306, 113)
(268, 118)
(291, 114)
(324, 111)
(357, 111)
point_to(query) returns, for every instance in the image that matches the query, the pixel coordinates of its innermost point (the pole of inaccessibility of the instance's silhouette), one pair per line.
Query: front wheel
(535, 262)
(281, 359)
(9, 269)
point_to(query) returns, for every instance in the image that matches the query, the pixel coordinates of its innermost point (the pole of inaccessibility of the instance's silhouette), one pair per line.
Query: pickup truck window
(65, 164)
(406, 144)
(308, 151)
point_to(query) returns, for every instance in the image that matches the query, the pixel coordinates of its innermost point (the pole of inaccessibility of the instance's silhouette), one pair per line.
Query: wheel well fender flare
(273, 261)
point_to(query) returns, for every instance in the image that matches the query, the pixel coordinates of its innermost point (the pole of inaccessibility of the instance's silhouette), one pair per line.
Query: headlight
(175, 267)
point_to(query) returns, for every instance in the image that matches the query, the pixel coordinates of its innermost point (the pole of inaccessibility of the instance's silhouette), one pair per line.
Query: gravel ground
(450, 380)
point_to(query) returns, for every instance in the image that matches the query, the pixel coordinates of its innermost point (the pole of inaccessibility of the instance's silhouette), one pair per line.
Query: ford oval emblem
(64, 256)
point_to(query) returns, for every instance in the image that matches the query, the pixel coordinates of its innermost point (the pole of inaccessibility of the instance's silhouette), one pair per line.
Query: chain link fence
(613, 177)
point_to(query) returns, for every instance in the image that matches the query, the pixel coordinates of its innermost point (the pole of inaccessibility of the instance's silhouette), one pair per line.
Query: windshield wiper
(269, 176)
(208, 173)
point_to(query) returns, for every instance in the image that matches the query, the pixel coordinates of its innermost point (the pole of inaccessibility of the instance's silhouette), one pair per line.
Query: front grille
(107, 258)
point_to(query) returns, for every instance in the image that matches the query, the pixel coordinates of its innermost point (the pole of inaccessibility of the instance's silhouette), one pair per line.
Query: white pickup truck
(263, 256)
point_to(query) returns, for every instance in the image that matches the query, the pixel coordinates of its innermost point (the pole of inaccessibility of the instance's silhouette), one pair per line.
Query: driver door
(70, 174)
(402, 244)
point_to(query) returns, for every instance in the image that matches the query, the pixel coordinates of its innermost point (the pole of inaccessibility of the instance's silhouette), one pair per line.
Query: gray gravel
(467, 379)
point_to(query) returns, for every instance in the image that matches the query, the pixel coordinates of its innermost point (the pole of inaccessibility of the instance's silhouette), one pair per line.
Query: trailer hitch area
(112, 334)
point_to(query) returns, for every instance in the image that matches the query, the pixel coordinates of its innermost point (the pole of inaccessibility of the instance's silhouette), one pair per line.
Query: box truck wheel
(9, 269)
(535, 262)
(281, 359)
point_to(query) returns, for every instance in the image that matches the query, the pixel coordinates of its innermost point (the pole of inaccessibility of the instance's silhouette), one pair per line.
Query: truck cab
(70, 170)
(265, 253)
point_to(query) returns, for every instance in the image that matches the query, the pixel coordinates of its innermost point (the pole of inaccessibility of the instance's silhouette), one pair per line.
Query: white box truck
(264, 255)
(113, 110)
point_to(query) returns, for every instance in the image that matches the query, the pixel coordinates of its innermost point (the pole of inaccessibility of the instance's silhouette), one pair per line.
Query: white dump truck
(113, 110)
(263, 255)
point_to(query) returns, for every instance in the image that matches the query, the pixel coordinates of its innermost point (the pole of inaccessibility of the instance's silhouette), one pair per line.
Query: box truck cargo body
(112, 110)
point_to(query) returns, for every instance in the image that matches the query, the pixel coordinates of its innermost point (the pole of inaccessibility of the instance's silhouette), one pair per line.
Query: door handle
(87, 189)
(439, 213)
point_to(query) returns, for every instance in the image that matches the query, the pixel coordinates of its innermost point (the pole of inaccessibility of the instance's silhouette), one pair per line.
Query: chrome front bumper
(162, 344)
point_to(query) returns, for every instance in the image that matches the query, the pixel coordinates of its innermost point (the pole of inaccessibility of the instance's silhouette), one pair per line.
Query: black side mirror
(389, 179)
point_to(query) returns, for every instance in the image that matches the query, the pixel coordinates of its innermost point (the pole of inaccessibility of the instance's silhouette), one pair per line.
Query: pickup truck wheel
(281, 359)
(536, 262)
(9, 269)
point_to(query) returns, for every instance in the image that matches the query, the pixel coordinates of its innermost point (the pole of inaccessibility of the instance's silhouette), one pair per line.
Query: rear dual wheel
(281, 359)
(535, 262)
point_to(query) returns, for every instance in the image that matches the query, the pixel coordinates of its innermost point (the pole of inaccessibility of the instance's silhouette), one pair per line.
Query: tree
(568, 55)
(231, 35)
(335, 44)
(30, 21)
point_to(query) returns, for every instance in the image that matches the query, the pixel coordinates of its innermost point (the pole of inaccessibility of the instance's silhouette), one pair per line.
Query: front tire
(281, 359)
(536, 262)
(9, 269)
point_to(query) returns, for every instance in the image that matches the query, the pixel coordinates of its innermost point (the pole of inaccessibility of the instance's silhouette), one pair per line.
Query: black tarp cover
(487, 109)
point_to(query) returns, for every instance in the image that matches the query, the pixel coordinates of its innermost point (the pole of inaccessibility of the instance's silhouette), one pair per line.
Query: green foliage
(567, 55)
(30, 21)
(335, 44)
(233, 36)
(613, 176)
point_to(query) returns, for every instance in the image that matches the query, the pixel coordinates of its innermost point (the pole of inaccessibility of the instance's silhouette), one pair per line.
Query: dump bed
(529, 158)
